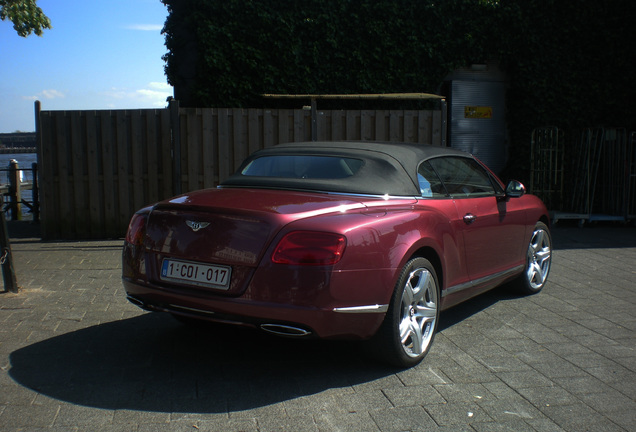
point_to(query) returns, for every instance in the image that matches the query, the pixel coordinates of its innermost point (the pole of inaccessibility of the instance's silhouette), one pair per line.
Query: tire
(538, 261)
(408, 330)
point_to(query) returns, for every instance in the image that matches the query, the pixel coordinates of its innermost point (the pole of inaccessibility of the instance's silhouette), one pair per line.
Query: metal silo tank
(477, 106)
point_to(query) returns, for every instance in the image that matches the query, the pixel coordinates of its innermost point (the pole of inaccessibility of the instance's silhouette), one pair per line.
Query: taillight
(310, 248)
(137, 229)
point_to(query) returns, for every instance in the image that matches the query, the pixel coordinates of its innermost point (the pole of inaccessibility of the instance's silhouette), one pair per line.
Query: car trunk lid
(229, 228)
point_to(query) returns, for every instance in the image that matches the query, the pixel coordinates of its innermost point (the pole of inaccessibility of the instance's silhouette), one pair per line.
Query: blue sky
(100, 54)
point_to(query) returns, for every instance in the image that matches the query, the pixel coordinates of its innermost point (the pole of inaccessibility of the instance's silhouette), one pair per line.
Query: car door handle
(469, 218)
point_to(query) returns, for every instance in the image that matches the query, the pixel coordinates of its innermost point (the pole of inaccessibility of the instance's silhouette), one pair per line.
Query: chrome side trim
(363, 309)
(484, 280)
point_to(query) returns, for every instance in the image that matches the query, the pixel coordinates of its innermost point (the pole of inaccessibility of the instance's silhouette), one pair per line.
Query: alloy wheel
(419, 312)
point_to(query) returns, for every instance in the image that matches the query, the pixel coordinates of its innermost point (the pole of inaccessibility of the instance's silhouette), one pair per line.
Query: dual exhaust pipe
(277, 329)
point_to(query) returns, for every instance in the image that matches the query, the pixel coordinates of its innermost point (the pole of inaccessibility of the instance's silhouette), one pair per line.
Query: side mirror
(515, 189)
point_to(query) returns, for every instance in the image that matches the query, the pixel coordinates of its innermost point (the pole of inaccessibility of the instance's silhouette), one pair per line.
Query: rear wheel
(409, 327)
(538, 261)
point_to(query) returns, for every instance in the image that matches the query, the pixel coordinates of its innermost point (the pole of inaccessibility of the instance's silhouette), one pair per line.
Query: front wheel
(538, 261)
(409, 327)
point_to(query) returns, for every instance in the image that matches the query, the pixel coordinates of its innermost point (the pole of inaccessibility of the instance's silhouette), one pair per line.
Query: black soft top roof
(389, 168)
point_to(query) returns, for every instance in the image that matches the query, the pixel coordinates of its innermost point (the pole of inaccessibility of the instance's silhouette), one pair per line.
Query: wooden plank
(240, 143)
(299, 126)
(122, 163)
(423, 129)
(254, 130)
(167, 184)
(381, 125)
(182, 161)
(153, 152)
(78, 198)
(94, 183)
(338, 131)
(323, 125)
(209, 171)
(49, 180)
(395, 125)
(137, 161)
(63, 217)
(225, 161)
(193, 139)
(268, 128)
(410, 130)
(111, 227)
(283, 126)
(352, 124)
(436, 128)
(176, 114)
(367, 125)
(215, 143)
(254, 127)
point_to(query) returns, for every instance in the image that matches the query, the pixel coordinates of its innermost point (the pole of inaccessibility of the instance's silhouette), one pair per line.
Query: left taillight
(137, 229)
(310, 248)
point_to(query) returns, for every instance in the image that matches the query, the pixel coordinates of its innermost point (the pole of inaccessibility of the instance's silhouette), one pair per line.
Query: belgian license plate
(194, 273)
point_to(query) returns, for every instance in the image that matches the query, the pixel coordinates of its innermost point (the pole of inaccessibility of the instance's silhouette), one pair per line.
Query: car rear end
(266, 259)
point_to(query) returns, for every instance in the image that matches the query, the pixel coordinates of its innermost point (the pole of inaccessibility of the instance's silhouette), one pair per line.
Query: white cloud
(46, 94)
(156, 93)
(145, 27)
(116, 93)
(153, 94)
(52, 94)
(160, 86)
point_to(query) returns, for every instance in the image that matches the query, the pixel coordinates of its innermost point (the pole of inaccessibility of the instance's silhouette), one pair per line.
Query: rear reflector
(137, 229)
(310, 248)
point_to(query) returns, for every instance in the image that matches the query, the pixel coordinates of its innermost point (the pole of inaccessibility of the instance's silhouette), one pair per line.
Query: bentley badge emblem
(196, 226)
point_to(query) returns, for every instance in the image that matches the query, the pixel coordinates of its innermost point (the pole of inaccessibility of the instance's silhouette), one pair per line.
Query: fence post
(14, 190)
(35, 193)
(6, 261)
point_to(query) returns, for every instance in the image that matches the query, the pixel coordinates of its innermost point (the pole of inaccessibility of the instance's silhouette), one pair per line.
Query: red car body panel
(344, 300)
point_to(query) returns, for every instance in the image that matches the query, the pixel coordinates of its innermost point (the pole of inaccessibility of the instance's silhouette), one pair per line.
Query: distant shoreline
(17, 150)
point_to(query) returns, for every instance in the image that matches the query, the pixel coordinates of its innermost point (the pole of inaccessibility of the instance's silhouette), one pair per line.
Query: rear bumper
(288, 320)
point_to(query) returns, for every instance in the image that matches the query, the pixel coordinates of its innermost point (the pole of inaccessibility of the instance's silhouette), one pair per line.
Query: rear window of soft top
(303, 166)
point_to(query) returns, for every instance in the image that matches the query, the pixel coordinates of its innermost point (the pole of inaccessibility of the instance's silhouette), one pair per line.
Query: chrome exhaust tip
(139, 303)
(283, 330)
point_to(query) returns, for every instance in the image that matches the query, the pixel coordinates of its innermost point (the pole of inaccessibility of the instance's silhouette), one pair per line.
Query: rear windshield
(303, 166)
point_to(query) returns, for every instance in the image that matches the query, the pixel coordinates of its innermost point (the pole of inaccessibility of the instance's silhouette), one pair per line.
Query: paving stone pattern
(76, 356)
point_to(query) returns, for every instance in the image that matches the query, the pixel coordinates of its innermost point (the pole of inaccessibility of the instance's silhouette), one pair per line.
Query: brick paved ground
(75, 355)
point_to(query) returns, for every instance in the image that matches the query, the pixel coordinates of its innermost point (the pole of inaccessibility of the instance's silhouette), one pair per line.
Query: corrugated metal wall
(477, 114)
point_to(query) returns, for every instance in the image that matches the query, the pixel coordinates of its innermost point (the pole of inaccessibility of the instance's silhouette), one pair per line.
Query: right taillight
(310, 248)
(136, 229)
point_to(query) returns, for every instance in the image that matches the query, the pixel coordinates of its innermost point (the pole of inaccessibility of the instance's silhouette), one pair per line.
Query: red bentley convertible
(357, 240)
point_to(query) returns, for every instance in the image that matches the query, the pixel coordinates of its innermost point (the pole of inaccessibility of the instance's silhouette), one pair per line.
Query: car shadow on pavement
(565, 235)
(153, 363)
(465, 310)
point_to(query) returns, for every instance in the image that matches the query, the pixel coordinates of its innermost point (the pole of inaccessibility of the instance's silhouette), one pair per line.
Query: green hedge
(569, 63)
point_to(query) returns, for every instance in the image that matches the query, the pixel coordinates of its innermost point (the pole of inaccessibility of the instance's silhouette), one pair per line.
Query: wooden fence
(98, 167)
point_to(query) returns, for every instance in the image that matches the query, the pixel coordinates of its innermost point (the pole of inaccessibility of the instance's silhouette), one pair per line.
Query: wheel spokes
(411, 335)
(419, 311)
(539, 258)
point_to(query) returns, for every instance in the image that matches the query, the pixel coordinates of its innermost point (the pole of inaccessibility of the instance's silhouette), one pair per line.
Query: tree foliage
(568, 63)
(25, 15)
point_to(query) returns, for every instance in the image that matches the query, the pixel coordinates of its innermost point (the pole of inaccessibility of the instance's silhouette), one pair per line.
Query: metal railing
(12, 197)
(592, 177)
